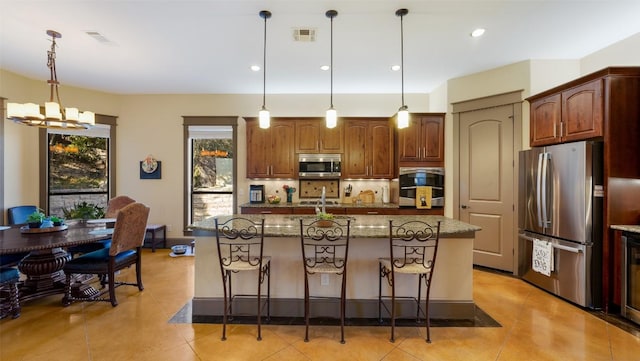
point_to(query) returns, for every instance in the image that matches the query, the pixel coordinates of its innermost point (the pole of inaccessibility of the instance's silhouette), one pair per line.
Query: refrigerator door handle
(545, 171)
(565, 248)
(538, 192)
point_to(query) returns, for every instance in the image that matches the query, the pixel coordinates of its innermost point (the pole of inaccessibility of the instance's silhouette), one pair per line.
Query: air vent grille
(304, 34)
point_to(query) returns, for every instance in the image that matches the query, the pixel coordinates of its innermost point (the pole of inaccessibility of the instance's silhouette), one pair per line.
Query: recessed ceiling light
(477, 32)
(395, 67)
(324, 67)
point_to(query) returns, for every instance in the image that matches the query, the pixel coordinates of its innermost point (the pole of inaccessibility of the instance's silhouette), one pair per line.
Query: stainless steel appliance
(319, 165)
(560, 201)
(412, 177)
(256, 193)
(630, 307)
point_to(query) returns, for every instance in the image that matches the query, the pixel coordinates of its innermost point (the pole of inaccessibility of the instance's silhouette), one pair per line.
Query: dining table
(47, 254)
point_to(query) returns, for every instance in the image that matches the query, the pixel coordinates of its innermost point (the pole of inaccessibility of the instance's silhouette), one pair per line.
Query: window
(79, 167)
(210, 174)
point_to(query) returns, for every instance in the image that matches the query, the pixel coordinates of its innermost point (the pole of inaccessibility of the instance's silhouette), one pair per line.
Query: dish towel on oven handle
(542, 257)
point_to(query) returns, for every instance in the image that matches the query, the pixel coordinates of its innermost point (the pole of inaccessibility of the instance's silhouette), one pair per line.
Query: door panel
(486, 183)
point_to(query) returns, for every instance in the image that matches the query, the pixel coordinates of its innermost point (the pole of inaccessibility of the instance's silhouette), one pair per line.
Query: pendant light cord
(264, 63)
(331, 63)
(402, 56)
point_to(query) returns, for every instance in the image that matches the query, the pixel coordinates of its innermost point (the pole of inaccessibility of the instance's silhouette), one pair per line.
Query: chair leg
(380, 293)
(418, 302)
(306, 307)
(139, 270)
(112, 288)
(66, 299)
(342, 306)
(259, 338)
(14, 300)
(269, 291)
(426, 309)
(224, 313)
(393, 307)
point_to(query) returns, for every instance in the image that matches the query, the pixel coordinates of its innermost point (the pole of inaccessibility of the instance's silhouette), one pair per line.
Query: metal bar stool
(240, 243)
(413, 247)
(325, 248)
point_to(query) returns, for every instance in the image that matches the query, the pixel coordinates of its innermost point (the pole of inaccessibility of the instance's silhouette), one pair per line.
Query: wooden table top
(12, 240)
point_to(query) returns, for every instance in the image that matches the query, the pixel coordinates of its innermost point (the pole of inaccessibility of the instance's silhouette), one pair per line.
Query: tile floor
(535, 326)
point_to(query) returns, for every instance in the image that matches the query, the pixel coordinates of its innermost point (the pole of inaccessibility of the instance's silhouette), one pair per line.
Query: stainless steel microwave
(412, 177)
(319, 165)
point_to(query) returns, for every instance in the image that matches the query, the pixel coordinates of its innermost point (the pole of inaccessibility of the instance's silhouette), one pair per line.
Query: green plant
(324, 216)
(84, 210)
(55, 219)
(35, 217)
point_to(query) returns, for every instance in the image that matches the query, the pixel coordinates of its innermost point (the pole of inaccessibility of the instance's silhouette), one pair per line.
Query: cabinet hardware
(464, 206)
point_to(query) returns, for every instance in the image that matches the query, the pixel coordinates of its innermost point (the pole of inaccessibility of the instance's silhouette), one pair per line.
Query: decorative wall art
(150, 168)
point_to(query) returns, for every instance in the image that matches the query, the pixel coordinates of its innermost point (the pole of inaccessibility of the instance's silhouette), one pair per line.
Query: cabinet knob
(464, 206)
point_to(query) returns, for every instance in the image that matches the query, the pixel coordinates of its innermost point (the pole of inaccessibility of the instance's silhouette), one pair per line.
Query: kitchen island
(451, 292)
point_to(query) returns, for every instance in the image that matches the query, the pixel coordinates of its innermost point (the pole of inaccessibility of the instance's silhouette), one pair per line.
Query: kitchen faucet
(322, 201)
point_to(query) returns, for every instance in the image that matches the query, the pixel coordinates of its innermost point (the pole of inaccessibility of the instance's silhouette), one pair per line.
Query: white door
(486, 183)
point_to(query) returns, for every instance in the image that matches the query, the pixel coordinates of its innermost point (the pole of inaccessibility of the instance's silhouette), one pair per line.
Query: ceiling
(208, 46)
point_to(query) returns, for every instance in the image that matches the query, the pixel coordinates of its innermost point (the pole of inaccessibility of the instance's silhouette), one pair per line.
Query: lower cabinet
(342, 210)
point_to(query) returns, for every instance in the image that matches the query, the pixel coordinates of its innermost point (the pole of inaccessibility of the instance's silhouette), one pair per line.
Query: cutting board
(367, 196)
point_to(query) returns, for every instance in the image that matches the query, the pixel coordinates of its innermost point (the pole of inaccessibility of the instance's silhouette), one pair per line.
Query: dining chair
(413, 247)
(9, 297)
(125, 251)
(16, 216)
(325, 249)
(113, 206)
(240, 244)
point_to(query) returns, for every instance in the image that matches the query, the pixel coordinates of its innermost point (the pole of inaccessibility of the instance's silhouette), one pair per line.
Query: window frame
(205, 121)
(43, 140)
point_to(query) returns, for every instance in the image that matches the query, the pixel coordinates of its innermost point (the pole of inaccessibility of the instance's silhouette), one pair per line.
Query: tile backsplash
(311, 189)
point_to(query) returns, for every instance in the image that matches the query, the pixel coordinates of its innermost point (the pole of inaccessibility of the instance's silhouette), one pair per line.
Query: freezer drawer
(570, 276)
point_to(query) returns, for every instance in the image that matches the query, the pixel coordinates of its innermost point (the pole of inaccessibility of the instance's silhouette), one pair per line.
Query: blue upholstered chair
(16, 215)
(125, 251)
(9, 305)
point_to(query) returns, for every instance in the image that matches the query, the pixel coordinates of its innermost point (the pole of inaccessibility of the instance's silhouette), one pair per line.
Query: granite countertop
(362, 226)
(627, 227)
(328, 205)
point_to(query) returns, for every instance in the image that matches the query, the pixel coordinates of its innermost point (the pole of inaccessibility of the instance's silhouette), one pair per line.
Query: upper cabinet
(568, 115)
(312, 136)
(270, 152)
(369, 150)
(422, 143)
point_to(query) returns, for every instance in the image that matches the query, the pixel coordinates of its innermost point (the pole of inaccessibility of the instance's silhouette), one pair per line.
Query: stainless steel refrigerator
(560, 204)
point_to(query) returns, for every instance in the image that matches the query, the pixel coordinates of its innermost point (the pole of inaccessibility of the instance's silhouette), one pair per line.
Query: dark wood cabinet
(422, 143)
(363, 210)
(369, 150)
(569, 115)
(604, 105)
(312, 136)
(270, 152)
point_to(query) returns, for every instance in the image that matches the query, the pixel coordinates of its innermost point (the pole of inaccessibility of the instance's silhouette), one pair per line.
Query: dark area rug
(481, 319)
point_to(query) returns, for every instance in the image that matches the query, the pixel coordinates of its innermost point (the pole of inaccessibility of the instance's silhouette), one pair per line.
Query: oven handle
(558, 246)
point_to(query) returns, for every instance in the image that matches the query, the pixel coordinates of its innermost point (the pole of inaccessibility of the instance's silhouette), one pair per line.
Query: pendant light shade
(264, 116)
(332, 114)
(403, 112)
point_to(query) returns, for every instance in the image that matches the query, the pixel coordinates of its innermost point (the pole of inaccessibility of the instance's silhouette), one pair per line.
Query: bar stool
(240, 243)
(9, 305)
(325, 248)
(413, 248)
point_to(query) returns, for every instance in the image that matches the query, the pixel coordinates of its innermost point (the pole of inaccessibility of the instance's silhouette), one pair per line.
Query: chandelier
(54, 115)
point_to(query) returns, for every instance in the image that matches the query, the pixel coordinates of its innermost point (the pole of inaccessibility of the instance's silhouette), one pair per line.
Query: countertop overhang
(362, 226)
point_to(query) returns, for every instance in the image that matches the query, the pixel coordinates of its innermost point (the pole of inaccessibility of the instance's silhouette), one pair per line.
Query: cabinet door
(332, 139)
(258, 140)
(380, 150)
(410, 141)
(433, 139)
(545, 121)
(355, 159)
(582, 112)
(307, 136)
(282, 155)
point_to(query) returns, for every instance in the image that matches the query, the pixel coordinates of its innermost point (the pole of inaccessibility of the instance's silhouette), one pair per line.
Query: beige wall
(152, 124)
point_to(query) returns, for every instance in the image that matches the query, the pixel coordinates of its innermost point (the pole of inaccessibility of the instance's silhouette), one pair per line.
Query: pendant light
(403, 112)
(332, 115)
(55, 116)
(264, 117)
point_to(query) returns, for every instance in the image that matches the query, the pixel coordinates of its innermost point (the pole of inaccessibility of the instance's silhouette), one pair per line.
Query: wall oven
(319, 165)
(411, 178)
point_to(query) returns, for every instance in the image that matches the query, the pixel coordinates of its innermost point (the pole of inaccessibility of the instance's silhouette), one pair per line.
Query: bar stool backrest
(240, 242)
(413, 246)
(325, 245)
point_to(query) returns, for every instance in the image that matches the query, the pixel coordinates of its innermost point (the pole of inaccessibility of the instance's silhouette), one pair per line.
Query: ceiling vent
(304, 34)
(98, 37)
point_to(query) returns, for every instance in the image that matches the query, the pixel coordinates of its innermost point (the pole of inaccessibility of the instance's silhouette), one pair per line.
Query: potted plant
(324, 219)
(34, 220)
(84, 211)
(57, 221)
